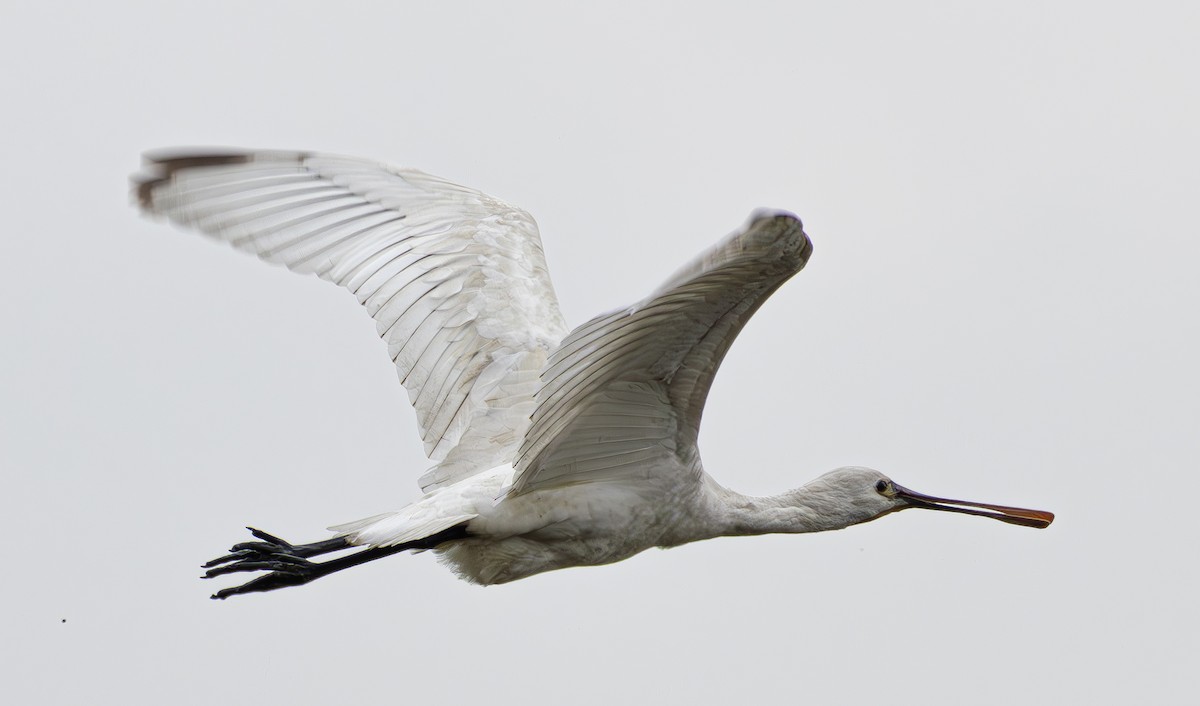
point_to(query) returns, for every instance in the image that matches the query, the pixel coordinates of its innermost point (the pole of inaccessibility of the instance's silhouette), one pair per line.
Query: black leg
(288, 564)
(274, 547)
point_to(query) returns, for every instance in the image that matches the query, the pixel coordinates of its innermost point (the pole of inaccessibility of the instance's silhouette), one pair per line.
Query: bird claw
(280, 562)
(237, 554)
(267, 582)
(287, 563)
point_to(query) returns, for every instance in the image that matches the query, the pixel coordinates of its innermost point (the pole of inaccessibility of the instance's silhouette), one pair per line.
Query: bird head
(866, 494)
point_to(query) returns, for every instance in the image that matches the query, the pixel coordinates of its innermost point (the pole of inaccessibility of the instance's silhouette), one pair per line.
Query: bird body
(584, 525)
(544, 530)
(554, 447)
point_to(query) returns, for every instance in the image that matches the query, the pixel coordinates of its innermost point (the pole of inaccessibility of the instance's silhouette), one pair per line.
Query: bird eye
(881, 486)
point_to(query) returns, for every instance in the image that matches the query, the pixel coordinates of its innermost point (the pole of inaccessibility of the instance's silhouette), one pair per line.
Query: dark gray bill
(1014, 515)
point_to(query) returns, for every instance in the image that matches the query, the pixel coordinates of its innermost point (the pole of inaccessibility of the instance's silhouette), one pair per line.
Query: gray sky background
(1002, 305)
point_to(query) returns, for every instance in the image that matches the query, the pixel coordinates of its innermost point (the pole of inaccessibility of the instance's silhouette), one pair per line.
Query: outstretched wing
(629, 387)
(455, 279)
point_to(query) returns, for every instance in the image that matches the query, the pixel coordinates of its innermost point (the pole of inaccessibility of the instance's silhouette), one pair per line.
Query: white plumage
(554, 449)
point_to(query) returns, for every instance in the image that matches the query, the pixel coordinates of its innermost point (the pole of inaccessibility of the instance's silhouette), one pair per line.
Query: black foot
(287, 563)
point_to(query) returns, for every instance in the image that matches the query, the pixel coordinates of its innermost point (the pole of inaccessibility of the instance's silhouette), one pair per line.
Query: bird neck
(793, 512)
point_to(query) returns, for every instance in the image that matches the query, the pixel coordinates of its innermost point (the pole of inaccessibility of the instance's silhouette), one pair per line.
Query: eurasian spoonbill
(554, 447)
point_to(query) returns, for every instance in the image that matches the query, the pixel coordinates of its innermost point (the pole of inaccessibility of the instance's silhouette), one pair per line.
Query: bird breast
(580, 525)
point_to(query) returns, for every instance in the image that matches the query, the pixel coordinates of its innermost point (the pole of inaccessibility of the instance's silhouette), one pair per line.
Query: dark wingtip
(785, 229)
(159, 165)
(172, 159)
(760, 214)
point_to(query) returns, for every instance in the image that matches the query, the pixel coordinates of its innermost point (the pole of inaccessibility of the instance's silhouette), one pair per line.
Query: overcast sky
(1002, 305)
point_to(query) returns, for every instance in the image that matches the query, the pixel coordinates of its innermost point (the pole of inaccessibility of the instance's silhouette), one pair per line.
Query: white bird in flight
(554, 447)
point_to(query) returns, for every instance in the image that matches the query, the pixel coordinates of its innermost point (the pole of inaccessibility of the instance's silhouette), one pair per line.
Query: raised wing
(628, 388)
(455, 279)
